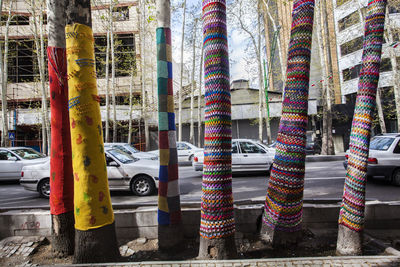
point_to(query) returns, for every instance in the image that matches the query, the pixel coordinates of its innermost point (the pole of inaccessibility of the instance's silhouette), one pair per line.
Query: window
(341, 2)
(120, 13)
(381, 143)
(247, 147)
(385, 65)
(4, 155)
(349, 20)
(393, 8)
(125, 55)
(351, 73)
(22, 62)
(234, 148)
(15, 20)
(351, 46)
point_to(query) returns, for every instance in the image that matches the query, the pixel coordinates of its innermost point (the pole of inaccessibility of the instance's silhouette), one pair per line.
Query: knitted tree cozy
(217, 225)
(284, 200)
(169, 210)
(351, 217)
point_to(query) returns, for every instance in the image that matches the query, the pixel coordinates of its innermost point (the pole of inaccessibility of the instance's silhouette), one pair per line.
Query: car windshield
(28, 153)
(133, 149)
(121, 156)
(381, 143)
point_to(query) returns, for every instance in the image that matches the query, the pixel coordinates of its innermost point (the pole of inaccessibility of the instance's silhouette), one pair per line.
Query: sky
(236, 41)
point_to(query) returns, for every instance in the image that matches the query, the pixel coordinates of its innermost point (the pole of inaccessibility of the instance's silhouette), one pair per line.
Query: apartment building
(24, 95)
(349, 16)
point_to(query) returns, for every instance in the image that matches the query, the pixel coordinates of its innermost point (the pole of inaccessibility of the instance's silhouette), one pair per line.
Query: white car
(383, 158)
(128, 148)
(13, 159)
(185, 150)
(125, 172)
(247, 155)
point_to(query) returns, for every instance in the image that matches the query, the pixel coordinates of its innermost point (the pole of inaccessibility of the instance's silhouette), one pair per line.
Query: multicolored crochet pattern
(217, 220)
(353, 204)
(284, 200)
(169, 209)
(61, 178)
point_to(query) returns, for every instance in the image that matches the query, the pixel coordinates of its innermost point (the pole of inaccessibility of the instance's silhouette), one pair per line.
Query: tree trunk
(217, 225)
(327, 146)
(395, 68)
(143, 77)
(284, 201)
(130, 106)
(351, 216)
(260, 82)
(107, 122)
(95, 237)
(113, 74)
(62, 186)
(381, 116)
(199, 124)
(181, 78)
(40, 60)
(193, 87)
(4, 80)
(170, 234)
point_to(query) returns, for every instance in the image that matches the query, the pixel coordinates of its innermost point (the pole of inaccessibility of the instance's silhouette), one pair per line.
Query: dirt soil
(315, 243)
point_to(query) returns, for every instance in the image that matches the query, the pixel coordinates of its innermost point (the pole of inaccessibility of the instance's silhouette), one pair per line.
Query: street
(324, 180)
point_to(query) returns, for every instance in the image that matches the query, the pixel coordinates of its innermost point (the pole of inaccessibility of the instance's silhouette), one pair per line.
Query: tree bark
(284, 201)
(381, 116)
(193, 87)
(170, 234)
(113, 74)
(351, 216)
(217, 225)
(199, 124)
(107, 122)
(95, 237)
(143, 67)
(326, 52)
(62, 193)
(62, 234)
(395, 68)
(130, 107)
(181, 78)
(4, 80)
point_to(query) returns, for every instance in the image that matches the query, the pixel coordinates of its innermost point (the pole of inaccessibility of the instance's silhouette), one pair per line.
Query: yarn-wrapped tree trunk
(284, 200)
(170, 232)
(61, 179)
(217, 227)
(94, 218)
(351, 217)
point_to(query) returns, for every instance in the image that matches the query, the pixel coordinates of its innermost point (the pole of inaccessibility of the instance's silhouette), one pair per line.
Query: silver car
(383, 158)
(127, 148)
(13, 159)
(125, 172)
(247, 155)
(185, 151)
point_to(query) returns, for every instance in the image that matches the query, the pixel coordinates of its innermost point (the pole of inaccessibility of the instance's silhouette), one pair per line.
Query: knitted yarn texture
(217, 219)
(284, 200)
(169, 209)
(61, 178)
(353, 204)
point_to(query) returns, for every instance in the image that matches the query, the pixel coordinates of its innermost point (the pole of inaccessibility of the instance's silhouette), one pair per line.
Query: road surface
(323, 180)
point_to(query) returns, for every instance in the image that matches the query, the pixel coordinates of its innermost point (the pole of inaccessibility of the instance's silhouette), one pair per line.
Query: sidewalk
(280, 262)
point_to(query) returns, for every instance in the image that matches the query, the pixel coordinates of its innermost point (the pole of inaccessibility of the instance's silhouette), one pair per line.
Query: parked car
(128, 148)
(13, 159)
(185, 150)
(125, 172)
(383, 158)
(247, 155)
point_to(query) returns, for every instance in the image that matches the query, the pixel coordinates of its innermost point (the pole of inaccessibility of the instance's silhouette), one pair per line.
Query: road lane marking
(327, 178)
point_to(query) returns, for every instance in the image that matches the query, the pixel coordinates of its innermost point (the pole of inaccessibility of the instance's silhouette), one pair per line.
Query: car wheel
(142, 186)
(44, 188)
(396, 177)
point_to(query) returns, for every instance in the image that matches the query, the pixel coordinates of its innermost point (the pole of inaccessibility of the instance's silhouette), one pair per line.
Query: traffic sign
(11, 136)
